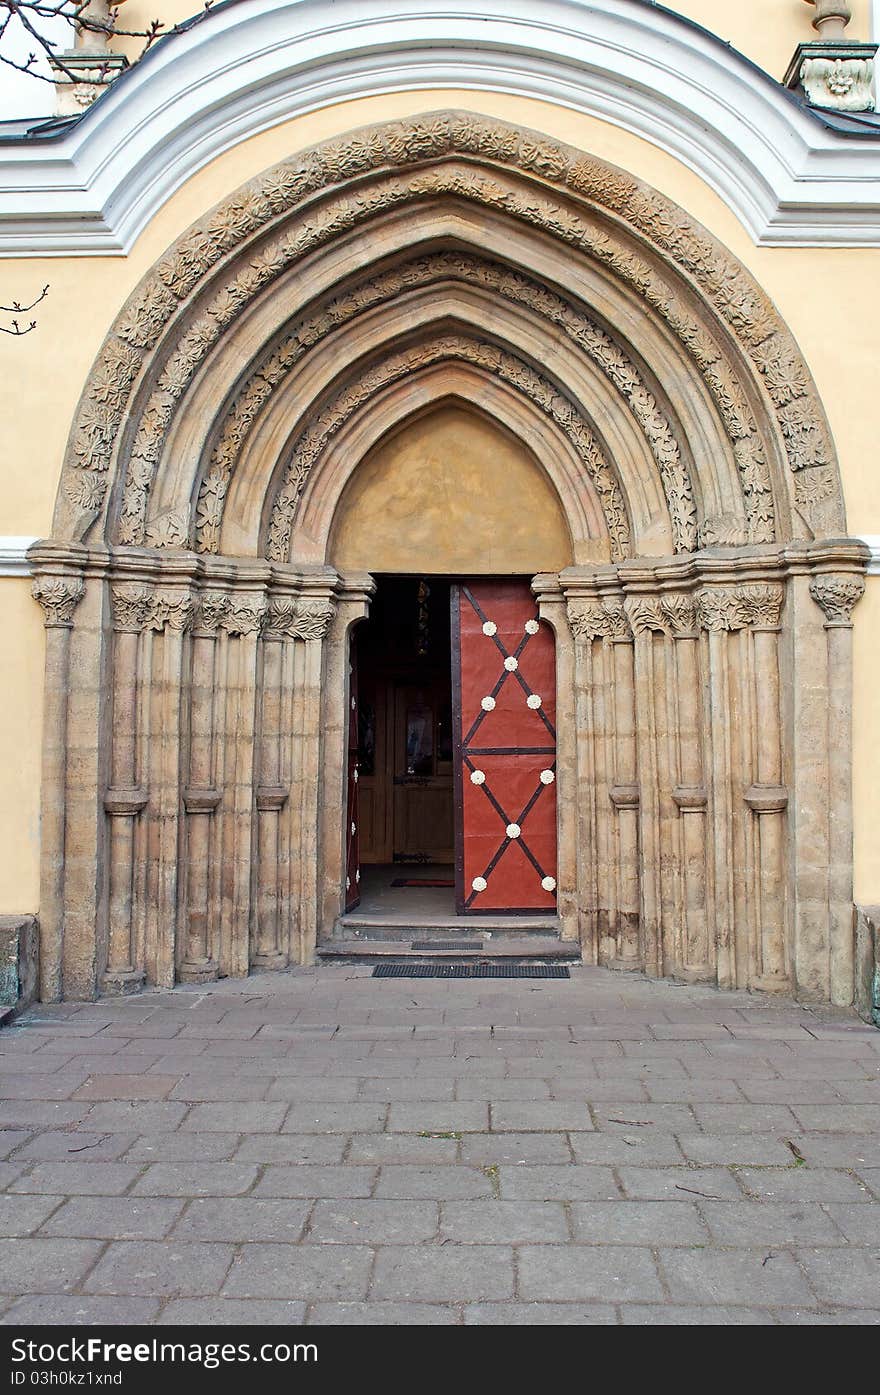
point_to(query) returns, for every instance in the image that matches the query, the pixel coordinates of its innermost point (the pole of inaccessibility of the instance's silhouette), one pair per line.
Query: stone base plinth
(197, 971)
(19, 961)
(121, 982)
(867, 932)
(266, 962)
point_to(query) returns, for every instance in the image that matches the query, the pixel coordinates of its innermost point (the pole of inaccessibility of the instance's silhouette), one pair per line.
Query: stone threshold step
(400, 927)
(375, 951)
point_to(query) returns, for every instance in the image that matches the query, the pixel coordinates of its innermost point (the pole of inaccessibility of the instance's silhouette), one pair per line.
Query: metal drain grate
(470, 971)
(446, 944)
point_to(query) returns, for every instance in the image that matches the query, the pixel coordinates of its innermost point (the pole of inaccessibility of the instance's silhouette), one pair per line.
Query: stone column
(646, 618)
(749, 864)
(767, 796)
(201, 795)
(837, 595)
(624, 792)
(695, 958)
(270, 949)
(172, 614)
(715, 610)
(59, 595)
(243, 621)
(588, 622)
(316, 610)
(355, 591)
(126, 796)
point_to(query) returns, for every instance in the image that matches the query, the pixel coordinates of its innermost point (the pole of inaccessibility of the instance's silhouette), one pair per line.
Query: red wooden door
(352, 851)
(504, 716)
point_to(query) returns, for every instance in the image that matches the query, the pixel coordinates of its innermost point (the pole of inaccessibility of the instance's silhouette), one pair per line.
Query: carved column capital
(763, 605)
(717, 608)
(245, 615)
(680, 611)
(619, 630)
(313, 619)
(587, 619)
(837, 596)
(171, 610)
(282, 617)
(131, 606)
(603, 618)
(645, 613)
(211, 607)
(756, 607)
(59, 596)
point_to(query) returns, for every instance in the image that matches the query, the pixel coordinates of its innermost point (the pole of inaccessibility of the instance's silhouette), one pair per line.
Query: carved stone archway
(195, 692)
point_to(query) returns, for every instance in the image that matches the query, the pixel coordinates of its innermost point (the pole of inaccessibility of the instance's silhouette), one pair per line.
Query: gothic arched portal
(193, 783)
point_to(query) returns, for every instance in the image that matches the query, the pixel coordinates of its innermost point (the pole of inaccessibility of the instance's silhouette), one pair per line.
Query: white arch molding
(257, 63)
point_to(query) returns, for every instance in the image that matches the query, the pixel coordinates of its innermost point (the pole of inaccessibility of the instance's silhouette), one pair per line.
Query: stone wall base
(867, 919)
(19, 961)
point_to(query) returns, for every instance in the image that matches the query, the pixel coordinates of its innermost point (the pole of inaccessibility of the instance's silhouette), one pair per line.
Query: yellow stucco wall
(21, 664)
(830, 298)
(764, 30)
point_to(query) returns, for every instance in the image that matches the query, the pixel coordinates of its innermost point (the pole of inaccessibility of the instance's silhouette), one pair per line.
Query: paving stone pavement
(323, 1147)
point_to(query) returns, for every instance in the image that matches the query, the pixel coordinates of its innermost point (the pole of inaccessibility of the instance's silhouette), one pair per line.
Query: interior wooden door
(352, 857)
(423, 785)
(504, 723)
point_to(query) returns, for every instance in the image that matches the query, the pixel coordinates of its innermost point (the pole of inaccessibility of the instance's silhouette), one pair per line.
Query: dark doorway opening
(406, 821)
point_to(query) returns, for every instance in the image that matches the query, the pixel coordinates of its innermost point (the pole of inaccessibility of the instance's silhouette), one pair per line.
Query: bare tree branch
(16, 331)
(29, 13)
(14, 328)
(16, 309)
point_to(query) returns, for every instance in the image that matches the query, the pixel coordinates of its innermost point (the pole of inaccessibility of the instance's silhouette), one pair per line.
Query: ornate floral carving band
(712, 362)
(584, 203)
(137, 607)
(491, 359)
(180, 364)
(679, 614)
(617, 367)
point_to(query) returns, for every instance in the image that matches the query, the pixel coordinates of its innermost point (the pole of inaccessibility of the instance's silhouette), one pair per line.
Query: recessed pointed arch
(214, 279)
(630, 416)
(443, 378)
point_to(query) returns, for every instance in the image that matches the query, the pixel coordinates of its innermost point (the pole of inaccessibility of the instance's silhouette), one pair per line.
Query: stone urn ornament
(833, 73)
(831, 18)
(83, 72)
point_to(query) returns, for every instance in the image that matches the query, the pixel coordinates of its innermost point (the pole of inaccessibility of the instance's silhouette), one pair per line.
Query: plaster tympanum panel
(454, 488)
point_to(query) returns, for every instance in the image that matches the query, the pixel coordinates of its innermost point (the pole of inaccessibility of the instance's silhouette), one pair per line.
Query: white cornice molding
(255, 63)
(872, 540)
(13, 556)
